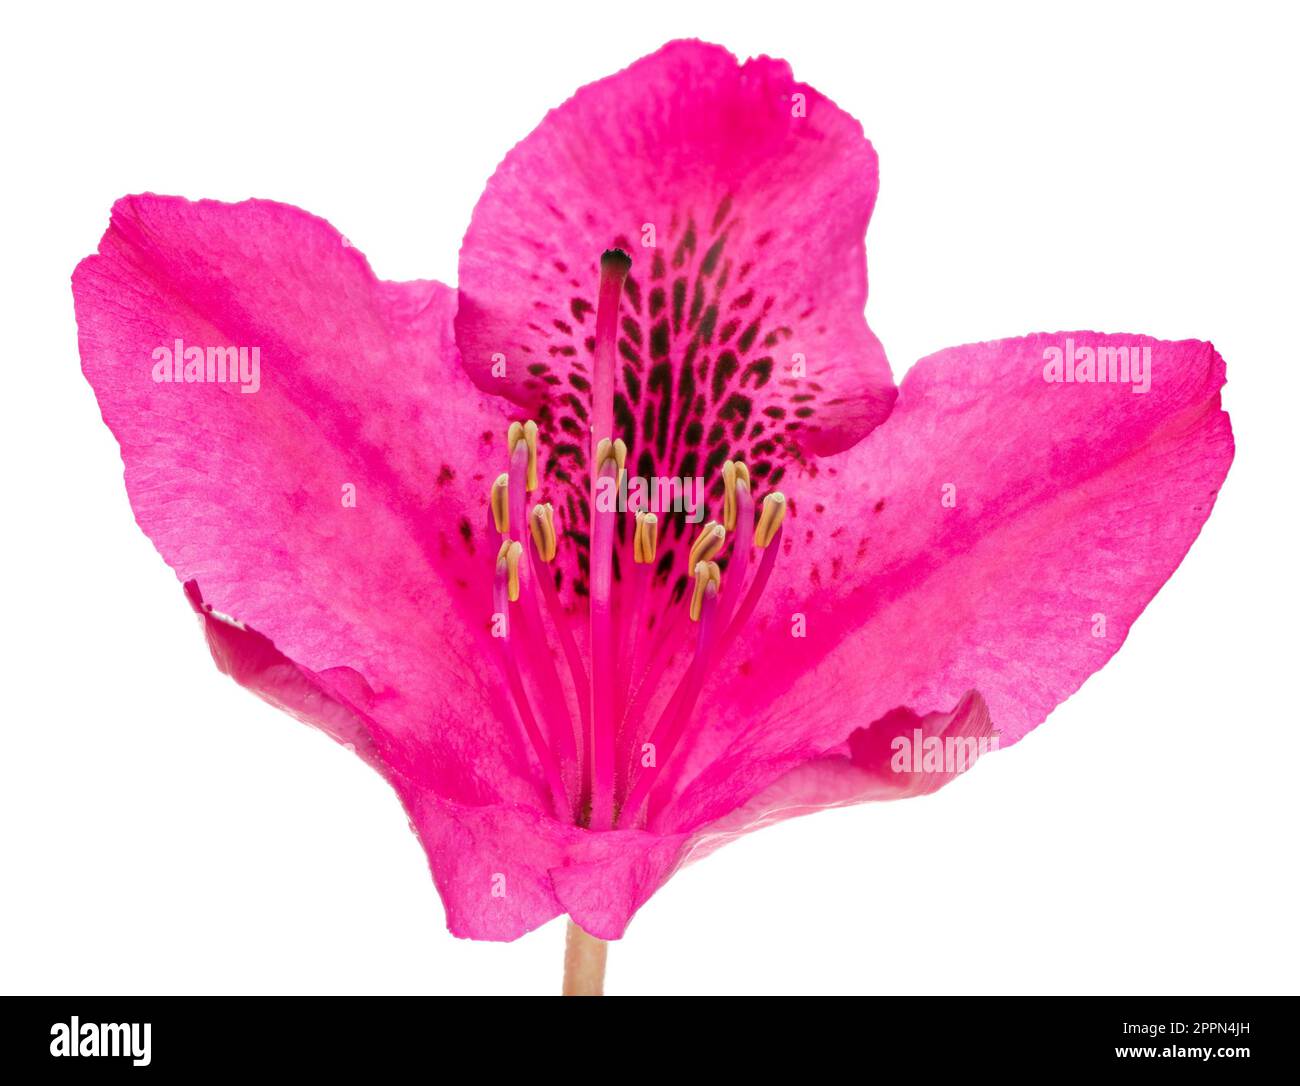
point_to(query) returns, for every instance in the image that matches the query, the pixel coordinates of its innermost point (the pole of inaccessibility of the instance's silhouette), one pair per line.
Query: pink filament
(577, 673)
(761, 577)
(741, 548)
(540, 663)
(632, 621)
(536, 661)
(551, 769)
(672, 722)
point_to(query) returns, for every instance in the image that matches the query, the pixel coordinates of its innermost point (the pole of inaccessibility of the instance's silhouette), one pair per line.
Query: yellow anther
(527, 433)
(707, 545)
(645, 539)
(500, 502)
(615, 450)
(769, 520)
(542, 525)
(530, 436)
(734, 473)
(708, 579)
(509, 555)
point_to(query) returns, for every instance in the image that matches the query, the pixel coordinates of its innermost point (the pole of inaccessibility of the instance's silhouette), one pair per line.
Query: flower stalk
(584, 963)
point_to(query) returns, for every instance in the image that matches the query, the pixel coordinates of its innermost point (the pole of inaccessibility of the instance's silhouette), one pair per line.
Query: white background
(1126, 168)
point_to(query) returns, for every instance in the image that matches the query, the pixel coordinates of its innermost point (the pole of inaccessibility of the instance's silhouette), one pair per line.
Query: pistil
(602, 641)
(614, 266)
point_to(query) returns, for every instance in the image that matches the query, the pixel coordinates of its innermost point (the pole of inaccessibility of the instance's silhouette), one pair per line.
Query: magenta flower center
(610, 764)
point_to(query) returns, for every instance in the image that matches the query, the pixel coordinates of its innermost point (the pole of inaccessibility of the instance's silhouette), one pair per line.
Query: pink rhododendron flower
(602, 560)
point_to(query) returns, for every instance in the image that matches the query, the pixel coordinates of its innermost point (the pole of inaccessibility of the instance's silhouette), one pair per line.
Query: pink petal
(1073, 504)
(257, 665)
(890, 753)
(244, 492)
(503, 870)
(758, 267)
(490, 863)
(610, 875)
(862, 769)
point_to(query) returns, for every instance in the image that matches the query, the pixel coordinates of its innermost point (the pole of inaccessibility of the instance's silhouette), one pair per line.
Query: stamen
(664, 738)
(530, 436)
(517, 443)
(616, 451)
(716, 649)
(707, 545)
(499, 500)
(636, 540)
(741, 547)
(761, 577)
(577, 672)
(527, 433)
(542, 526)
(537, 661)
(509, 554)
(769, 520)
(708, 579)
(734, 473)
(645, 540)
(647, 672)
(500, 596)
